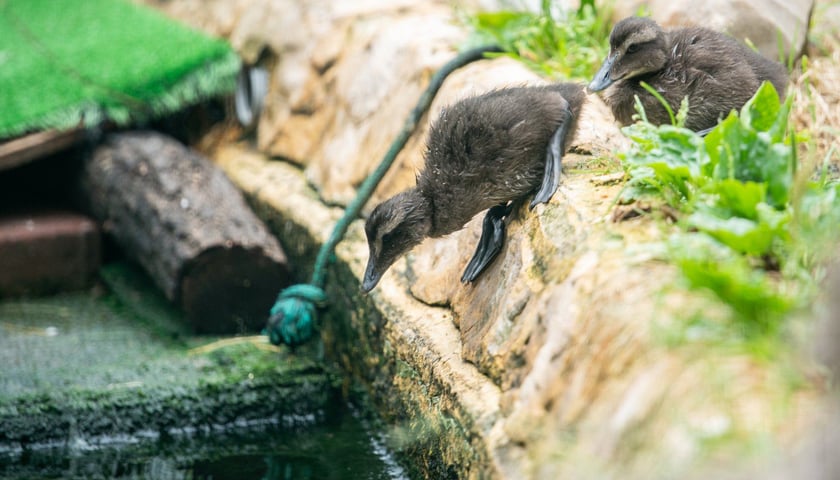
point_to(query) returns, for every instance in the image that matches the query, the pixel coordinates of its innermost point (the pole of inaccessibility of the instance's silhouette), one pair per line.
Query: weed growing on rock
(754, 227)
(555, 42)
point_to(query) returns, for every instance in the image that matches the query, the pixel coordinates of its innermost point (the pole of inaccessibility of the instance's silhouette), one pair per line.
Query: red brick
(48, 251)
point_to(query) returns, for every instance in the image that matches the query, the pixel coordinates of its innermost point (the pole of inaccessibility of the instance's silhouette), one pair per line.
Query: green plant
(556, 43)
(754, 229)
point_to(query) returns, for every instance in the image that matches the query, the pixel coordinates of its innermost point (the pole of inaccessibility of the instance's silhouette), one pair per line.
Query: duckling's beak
(602, 79)
(371, 276)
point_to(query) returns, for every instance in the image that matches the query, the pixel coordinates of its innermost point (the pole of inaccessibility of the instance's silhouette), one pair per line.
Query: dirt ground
(816, 85)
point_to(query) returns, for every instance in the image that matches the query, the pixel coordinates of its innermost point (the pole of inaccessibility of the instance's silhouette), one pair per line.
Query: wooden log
(178, 216)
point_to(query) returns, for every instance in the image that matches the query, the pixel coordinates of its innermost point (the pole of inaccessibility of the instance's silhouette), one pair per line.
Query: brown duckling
(484, 152)
(716, 72)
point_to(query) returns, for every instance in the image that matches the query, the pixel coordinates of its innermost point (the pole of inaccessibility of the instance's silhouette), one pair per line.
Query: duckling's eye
(633, 48)
(387, 239)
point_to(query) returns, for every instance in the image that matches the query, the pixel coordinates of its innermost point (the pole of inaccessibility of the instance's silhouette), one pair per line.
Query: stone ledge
(550, 365)
(407, 353)
(592, 382)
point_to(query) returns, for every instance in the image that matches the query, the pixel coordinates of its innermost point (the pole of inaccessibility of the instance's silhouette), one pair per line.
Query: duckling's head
(394, 227)
(637, 46)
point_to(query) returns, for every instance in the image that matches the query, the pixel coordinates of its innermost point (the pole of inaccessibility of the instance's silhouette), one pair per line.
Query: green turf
(66, 61)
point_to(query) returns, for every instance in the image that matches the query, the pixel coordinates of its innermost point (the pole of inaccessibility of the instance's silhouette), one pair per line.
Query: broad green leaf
(739, 198)
(777, 169)
(739, 152)
(762, 110)
(714, 142)
(664, 159)
(496, 21)
(742, 235)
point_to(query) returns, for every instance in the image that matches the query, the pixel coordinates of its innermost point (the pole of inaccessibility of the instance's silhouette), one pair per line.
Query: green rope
(292, 318)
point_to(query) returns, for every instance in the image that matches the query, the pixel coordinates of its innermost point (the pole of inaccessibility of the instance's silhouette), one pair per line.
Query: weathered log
(183, 221)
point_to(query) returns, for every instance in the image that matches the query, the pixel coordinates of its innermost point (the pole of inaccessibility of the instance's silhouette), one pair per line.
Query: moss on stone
(88, 365)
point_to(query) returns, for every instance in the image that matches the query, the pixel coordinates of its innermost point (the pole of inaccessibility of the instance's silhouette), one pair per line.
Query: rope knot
(293, 315)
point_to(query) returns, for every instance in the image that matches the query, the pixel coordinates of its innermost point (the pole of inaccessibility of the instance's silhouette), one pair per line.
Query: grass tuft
(556, 43)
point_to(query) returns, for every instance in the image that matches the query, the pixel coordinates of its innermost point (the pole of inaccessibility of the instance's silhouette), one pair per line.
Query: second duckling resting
(717, 73)
(485, 152)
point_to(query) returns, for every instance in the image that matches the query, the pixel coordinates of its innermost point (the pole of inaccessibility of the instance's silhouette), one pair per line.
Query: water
(120, 346)
(342, 447)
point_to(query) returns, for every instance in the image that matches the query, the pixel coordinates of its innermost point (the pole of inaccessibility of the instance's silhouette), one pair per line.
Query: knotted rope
(293, 317)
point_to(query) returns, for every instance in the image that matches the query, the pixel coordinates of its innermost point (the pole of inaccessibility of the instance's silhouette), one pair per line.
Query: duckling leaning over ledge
(484, 152)
(715, 71)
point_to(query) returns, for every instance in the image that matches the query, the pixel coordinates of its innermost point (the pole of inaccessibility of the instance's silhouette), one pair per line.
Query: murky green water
(340, 448)
(108, 384)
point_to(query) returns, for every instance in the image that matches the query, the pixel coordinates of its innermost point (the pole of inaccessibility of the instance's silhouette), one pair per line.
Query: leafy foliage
(752, 227)
(556, 43)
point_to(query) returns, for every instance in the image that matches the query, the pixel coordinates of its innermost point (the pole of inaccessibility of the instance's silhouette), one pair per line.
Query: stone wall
(553, 364)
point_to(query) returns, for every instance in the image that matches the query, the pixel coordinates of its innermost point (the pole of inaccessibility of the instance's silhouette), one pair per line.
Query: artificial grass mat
(69, 62)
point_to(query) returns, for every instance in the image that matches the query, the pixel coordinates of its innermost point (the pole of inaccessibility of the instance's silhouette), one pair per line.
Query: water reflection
(342, 448)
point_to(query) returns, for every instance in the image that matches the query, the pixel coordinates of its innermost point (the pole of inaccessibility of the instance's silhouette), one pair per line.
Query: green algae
(81, 366)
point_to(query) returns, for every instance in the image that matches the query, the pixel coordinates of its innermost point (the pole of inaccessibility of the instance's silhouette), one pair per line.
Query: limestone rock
(759, 21)
(216, 17)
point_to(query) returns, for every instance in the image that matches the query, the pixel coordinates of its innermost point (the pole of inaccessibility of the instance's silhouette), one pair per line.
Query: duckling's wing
(719, 74)
(554, 155)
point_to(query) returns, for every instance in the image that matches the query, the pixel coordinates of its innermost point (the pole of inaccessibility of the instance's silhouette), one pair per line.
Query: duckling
(716, 72)
(486, 152)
